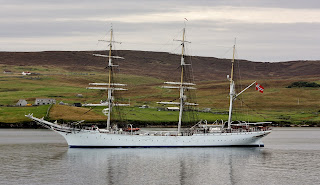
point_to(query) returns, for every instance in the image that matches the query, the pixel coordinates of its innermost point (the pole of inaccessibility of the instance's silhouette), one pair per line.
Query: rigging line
(191, 69)
(88, 111)
(107, 33)
(203, 43)
(188, 49)
(104, 37)
(190, 115)
(146, 43)
(150, 43)
(169, 42)
(230, 48)
(252, 109)
(175, 49)
(239, 73)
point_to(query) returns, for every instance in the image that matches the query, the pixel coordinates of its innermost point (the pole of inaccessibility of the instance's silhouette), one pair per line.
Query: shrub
(304, 84)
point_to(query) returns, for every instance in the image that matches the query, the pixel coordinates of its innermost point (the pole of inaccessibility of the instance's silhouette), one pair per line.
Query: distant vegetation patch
(303, 84)
(9, 89)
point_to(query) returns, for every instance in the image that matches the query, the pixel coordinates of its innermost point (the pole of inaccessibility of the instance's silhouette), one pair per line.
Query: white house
(44, 101)
(22, 103)
(26, 73)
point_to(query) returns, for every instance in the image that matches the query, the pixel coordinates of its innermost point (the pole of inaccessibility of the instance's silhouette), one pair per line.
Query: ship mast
(232, 90)
(110, 86)
(233, 94)
(182, 86)
(181, 81)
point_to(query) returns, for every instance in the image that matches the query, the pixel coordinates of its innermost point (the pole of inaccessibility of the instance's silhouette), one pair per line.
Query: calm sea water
(290, 156)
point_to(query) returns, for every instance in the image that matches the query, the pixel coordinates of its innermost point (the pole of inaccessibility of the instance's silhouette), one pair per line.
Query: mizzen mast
(233, 94)
(232, 90)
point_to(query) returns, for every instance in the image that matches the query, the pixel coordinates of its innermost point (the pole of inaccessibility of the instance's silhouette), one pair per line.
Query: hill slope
(161, 65)
(65, 74)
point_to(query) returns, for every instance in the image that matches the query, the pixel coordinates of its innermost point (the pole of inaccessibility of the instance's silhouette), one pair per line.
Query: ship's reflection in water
(164, 165)
(42, 157)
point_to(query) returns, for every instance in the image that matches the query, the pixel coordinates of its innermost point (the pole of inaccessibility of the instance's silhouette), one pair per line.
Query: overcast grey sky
(266, 30)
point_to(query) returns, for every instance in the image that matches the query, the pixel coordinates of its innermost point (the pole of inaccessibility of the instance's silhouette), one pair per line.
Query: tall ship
(202, 134)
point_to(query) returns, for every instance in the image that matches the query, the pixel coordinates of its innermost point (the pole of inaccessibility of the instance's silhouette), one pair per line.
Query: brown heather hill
(162, 65)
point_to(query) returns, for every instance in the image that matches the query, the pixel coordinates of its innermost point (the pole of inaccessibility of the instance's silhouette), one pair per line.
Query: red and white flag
(259, 88)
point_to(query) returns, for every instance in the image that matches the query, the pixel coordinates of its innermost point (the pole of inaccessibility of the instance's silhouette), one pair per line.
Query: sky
(265, 30)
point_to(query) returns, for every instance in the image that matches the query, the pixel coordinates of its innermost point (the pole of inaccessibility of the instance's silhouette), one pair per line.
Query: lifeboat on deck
(131, 129)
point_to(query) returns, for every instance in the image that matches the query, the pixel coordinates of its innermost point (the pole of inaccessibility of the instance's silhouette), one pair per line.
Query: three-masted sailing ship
(201, 134)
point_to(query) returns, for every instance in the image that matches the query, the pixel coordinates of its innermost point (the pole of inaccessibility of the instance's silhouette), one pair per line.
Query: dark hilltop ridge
(162, 64)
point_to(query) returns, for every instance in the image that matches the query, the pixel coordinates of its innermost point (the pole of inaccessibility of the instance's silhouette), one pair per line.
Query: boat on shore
(202, 134)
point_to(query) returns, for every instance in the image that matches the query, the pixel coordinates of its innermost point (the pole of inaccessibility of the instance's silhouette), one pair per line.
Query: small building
(77, 104)
(206, 110)
(62, 103)
(26, 73)
(7, 72)
(22, 103)
(161, 109)
(44, 101)
(144, 107)
(79, 96)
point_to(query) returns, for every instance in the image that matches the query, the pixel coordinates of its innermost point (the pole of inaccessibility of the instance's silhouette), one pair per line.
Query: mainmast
(182, 85)
(232, 90)
(110, 85)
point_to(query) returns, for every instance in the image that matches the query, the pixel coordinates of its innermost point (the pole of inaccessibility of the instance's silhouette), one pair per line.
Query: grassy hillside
(277, 103)
(16, 114)
(63, 82)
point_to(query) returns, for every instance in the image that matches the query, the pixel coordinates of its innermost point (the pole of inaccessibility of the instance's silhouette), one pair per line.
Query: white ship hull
(95, 139)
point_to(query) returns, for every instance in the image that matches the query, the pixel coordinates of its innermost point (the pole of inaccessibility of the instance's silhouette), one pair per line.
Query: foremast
(182, 86)
(110, 86)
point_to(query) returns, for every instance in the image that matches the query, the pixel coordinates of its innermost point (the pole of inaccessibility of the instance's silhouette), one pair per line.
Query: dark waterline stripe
(77, 146)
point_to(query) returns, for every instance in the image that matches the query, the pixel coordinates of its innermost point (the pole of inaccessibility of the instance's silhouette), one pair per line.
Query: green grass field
(17, 114)
(277, 103)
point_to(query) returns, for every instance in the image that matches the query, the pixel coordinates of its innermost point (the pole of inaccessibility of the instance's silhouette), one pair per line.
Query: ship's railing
(189, 132)
(148, 133)
(250, 129)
